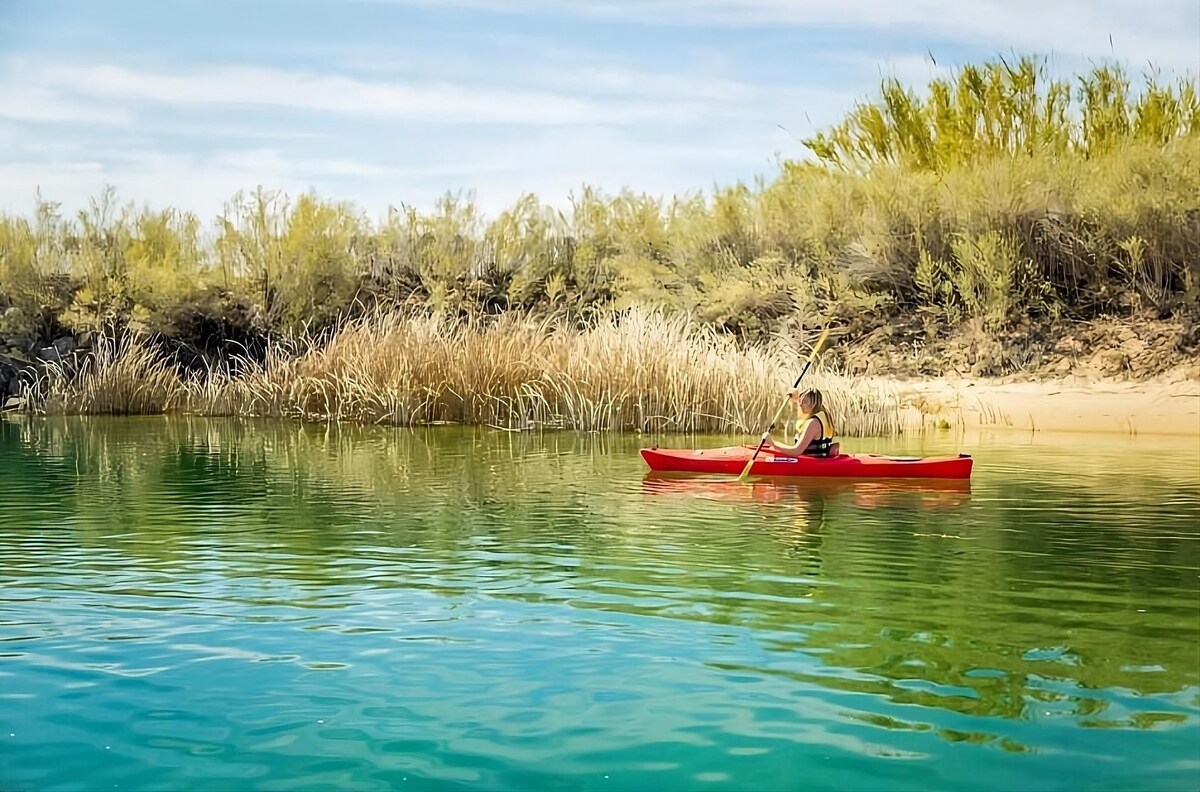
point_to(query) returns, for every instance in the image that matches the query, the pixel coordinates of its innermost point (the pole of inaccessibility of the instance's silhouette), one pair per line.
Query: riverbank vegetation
(642, 371)
(970, 227)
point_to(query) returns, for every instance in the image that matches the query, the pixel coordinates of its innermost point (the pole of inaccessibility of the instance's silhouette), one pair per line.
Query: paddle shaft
(783, 406)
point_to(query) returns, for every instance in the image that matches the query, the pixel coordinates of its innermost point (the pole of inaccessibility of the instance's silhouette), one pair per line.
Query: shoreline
(1164, 406)
(641, 370)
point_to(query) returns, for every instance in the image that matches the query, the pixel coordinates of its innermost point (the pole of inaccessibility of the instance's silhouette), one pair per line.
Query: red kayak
(732, 459)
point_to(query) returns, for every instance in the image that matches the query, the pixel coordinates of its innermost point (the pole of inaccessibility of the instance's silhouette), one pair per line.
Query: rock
(15, 329)
(1133, 347)
(10, 377)
(61, 348)
(1069, 345)
(1110, 361)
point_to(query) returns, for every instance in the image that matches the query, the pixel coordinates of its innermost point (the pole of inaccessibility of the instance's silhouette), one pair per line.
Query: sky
(182, 103)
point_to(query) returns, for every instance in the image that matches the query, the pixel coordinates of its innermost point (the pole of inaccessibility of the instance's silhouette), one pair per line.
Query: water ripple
(204, 604)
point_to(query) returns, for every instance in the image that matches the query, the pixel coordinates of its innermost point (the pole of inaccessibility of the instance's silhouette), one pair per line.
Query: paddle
(779, 412)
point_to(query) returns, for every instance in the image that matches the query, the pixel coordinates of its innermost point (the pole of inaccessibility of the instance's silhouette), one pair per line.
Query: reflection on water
(814, 492)
(188, 603)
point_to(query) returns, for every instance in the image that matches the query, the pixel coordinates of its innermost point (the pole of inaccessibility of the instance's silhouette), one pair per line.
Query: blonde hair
(814, 397)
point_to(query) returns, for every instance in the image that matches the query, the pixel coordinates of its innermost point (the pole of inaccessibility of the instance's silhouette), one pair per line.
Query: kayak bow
(732, 459)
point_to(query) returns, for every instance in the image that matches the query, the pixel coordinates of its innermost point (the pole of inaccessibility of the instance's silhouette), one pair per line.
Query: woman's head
(809, 400)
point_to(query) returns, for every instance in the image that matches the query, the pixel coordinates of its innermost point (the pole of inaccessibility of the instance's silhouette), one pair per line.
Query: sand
(1167, 406)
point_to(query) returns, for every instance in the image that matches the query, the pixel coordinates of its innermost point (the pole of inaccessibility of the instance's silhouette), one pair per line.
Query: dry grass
(640, 370)
(120, 377)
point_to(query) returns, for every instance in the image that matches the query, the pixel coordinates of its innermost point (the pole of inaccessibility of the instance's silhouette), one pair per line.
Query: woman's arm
(812, 430)
(782, 447)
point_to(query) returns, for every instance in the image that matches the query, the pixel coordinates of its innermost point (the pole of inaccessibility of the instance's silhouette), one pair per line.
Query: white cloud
(695, 129)
(1165, 32)
(255, 86)
(570, 112)
(30, 102)
(551, 163)
(625, 81)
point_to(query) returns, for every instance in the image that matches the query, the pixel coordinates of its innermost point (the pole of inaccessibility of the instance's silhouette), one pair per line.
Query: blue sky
(390, 102)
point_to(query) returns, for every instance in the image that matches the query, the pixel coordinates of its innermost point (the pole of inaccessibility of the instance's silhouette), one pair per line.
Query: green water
(190, 604)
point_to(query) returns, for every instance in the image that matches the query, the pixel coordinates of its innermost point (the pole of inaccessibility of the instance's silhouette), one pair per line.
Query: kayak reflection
(867, 493)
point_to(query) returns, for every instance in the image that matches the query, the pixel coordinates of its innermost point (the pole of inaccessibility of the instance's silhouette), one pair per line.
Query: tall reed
(120, 376)
(641, 370)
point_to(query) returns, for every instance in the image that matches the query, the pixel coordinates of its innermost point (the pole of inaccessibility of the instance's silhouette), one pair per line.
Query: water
(191, 604)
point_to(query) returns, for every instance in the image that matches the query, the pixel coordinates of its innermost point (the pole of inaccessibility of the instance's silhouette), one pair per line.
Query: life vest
(824, 442)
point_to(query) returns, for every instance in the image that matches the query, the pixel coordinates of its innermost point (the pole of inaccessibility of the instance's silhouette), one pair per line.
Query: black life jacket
(824, 442)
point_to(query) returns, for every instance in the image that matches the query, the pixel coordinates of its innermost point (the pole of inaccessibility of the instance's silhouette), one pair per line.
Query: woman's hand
(775, 448)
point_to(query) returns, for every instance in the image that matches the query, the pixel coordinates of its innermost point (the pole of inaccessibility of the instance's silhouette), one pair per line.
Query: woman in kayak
(814, 429)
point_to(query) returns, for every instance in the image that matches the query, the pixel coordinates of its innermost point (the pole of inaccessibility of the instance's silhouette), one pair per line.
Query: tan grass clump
(640, 370)
(125, 376)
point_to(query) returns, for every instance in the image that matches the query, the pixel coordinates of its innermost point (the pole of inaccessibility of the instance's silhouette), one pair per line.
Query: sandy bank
(1165, 406)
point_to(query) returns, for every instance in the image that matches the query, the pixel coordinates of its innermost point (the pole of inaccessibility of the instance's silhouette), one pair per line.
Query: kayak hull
(732, 459)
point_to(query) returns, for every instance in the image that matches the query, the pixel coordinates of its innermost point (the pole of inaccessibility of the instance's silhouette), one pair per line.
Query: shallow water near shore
(211, 604)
